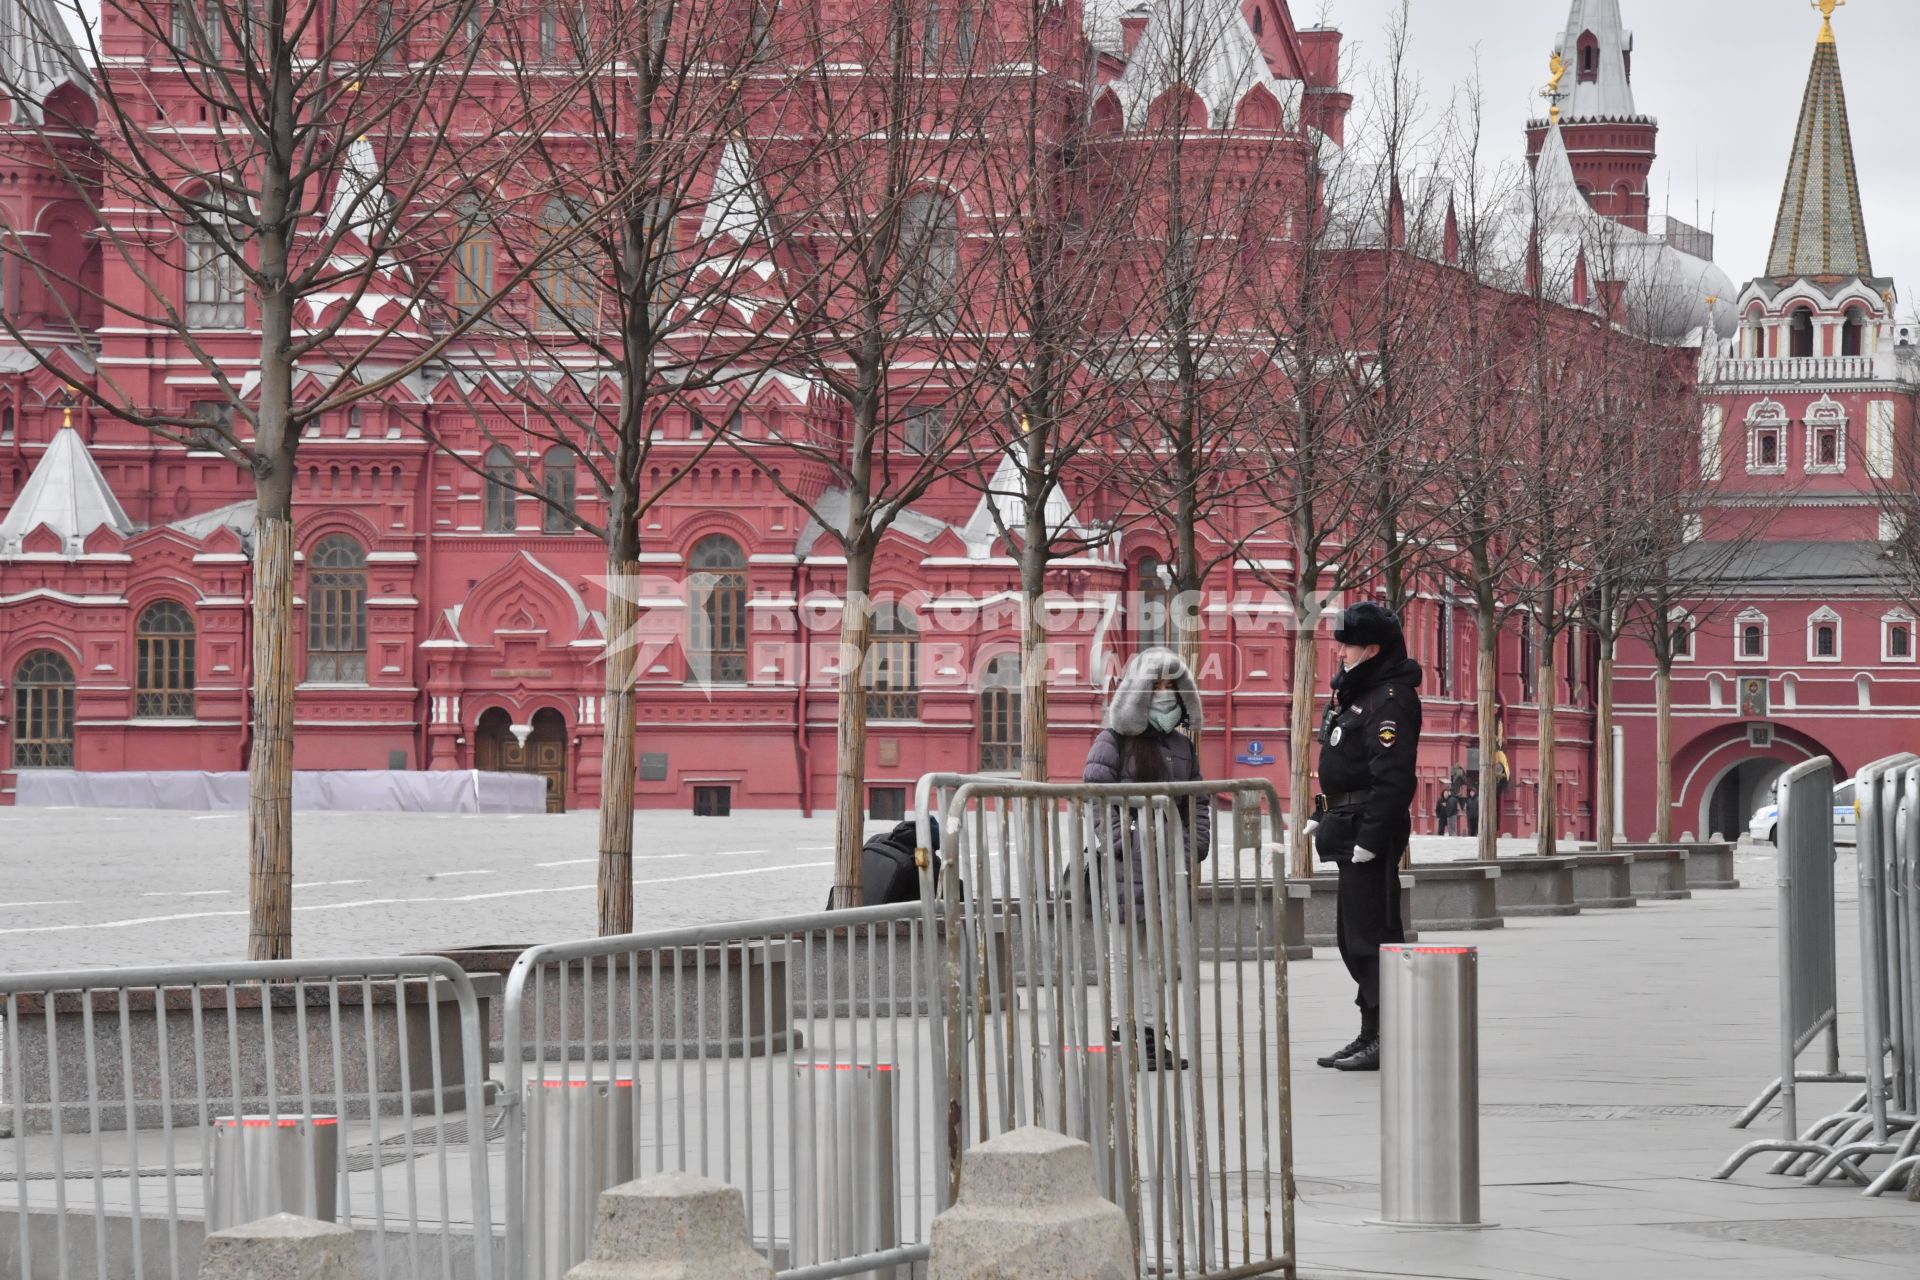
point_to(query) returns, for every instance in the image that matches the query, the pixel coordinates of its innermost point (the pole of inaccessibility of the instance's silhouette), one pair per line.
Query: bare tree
(1340, 450)
(1049, 290)
(654, 284)
(288, 161)
(893, 99)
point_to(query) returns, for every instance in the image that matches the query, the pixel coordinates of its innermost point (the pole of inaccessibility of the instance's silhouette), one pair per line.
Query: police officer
(1368, 744)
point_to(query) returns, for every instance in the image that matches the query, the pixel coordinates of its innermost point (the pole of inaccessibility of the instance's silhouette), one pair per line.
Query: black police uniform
(1369, 741)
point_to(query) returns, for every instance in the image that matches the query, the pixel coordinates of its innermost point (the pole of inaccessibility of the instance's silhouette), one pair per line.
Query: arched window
(893, 665)
(550, 29)
(1151, 607)
(216, 290)
(557, 480)
(43, 712)
(1800, 330)
(1853, 334)
(195, 20)
(1681, 636)
(163, 661)
(566, 284)
(717, 648)
(1589, 57)
(498, 516)
(337, 612)
(929, 260)
(1000, 714)
(1824, 643)
(473, 261)
(1753, 640)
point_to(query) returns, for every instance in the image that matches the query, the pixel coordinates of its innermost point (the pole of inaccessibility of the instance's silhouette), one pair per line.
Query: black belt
(1347, 799)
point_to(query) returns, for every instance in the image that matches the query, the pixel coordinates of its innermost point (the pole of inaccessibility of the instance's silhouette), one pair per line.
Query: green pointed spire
(1821, 230)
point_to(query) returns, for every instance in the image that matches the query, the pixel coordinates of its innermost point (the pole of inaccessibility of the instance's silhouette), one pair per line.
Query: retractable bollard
(263, 1165)
(843, 1162)
(1429, 1086)
(579, 1143)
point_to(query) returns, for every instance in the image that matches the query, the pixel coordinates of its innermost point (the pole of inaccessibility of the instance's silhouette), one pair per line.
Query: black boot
(1156, 1052)
(1353, 1046)
(1369, 1030)
(1365, 1058)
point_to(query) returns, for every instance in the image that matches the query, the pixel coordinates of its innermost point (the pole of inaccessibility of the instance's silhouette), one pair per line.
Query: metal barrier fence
(788, 1057)
(1079, 1000)
(1090, 961)
(1881, 1120)
(138, 1102)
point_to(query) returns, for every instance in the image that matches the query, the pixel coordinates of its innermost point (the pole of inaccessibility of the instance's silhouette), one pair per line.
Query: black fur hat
(1370, 622)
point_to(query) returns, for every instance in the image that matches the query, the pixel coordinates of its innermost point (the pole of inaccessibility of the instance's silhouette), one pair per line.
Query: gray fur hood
(1133, 696)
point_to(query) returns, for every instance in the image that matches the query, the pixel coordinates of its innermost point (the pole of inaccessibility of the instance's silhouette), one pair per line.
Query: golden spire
(1826, 8)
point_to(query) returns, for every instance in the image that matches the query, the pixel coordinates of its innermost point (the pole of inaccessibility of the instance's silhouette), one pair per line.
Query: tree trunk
(616, 753)
(1663, 754)
(1603, 780)
(270, 772)
(850, 762)
(1033, 676)
(1489, 675)
(1300, 743)
(1546, 839)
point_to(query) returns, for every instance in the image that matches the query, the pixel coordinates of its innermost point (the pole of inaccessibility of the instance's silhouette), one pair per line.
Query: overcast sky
(1724, 78)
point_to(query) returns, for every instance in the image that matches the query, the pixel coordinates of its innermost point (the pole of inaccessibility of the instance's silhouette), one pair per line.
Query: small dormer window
(1257, 22)
(1589, 57)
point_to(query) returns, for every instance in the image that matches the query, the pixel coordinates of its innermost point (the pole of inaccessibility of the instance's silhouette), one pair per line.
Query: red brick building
(1803, 648)
(445, 622)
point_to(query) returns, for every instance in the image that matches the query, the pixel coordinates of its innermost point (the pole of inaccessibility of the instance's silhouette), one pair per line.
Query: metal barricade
(115, 1082)
(728, 1035)
(1097, 890)
(1880, 1121)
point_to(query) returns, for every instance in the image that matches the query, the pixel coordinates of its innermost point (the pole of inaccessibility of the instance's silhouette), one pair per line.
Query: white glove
(1313, 825)
(1362, 856)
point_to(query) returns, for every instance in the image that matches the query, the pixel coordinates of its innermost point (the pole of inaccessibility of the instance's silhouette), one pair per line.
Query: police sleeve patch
(1389, 734)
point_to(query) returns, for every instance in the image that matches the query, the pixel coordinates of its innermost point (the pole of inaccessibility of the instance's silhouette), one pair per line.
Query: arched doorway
(1722, 776)
(1740, 791)
(497, 748)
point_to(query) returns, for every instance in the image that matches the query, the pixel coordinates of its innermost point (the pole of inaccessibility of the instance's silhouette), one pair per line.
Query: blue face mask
(1165, 713)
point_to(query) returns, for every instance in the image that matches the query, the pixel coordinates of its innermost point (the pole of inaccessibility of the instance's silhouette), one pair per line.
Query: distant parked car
(1765, 827)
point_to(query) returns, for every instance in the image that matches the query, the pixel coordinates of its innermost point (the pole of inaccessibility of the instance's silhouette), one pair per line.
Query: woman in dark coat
(1146, 739)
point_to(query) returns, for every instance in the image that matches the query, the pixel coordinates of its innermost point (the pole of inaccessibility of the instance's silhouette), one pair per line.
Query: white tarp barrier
(358, 790)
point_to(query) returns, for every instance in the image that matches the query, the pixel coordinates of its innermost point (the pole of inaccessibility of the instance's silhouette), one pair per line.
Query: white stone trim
(1821, 617)
(1740, 623)
(1675, 614)
(1712, 418)
(1880, 416)
(1826, 415)
(1896, 617)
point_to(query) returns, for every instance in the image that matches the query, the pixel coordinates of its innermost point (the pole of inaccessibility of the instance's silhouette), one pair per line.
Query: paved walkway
(85, 887)
(1615, 1049)
(1616, 1046)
